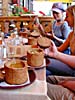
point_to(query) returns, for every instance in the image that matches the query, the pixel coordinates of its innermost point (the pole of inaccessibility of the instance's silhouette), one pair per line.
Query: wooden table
(36, 91)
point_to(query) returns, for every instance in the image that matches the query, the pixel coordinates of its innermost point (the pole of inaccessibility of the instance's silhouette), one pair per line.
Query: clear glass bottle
(1, 34)
(1, 51)
(15, 31)
(17, 41)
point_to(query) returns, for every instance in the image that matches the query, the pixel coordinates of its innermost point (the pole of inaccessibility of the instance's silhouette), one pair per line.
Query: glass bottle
(1, 51)
(17, 41)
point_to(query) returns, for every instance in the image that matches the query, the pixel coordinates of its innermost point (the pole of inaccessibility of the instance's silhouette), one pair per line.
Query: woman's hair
(71, 9)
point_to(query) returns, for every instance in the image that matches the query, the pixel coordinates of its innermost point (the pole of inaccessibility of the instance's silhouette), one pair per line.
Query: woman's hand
(53, 50)
(50, 35)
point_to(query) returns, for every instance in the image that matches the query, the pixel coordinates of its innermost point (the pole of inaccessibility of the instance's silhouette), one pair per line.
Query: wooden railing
(46, 22)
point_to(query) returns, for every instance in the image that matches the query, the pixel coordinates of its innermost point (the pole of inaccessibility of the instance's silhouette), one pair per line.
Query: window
(44, 6)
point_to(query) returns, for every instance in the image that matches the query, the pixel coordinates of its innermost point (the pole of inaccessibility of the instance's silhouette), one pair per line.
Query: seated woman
(60, 63)
(60, 27)
(63, 88)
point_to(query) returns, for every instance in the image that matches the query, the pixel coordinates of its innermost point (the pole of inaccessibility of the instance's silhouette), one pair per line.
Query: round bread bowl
(43, 42)
(35, 57)
(35, 34)
(16, 72)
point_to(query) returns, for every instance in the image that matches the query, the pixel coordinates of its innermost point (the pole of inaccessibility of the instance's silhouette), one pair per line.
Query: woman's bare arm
(68, 59)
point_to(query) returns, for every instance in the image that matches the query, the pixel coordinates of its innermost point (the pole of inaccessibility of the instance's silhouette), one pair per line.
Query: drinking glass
(10, 50)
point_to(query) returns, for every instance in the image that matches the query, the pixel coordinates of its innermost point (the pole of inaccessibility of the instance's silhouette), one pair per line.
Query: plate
(32, 77)
(40, 67)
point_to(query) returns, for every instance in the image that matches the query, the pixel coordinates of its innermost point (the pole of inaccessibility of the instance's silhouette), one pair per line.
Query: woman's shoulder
(71, 34)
